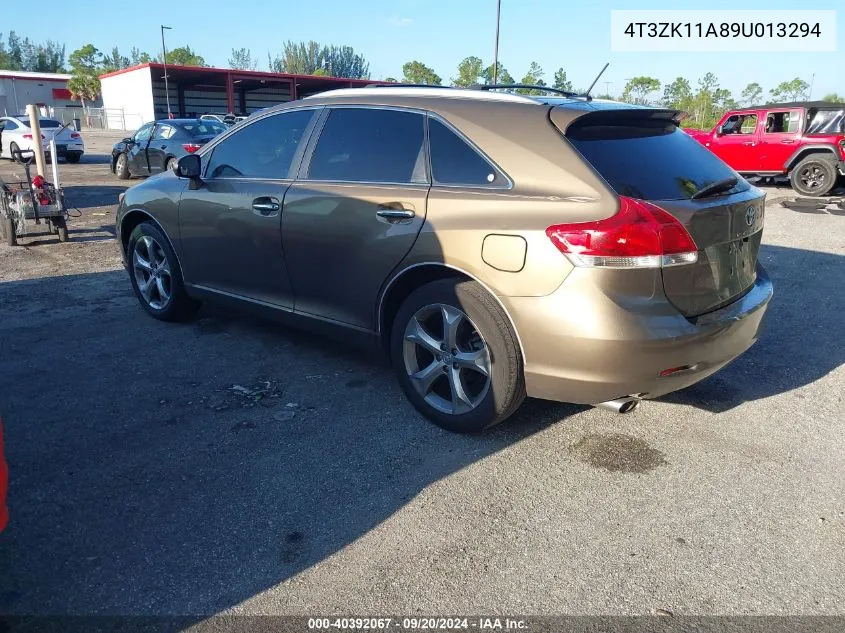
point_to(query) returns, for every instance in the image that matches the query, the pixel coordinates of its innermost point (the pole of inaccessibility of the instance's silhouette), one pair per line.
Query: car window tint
(455, 162)
(47, 124)
(143, 132)
(651, 160)
(264, 149)
(370, 145)
(10, 125)
(164, 132)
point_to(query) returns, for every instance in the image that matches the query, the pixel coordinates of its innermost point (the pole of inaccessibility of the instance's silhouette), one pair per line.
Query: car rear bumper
(586, 345)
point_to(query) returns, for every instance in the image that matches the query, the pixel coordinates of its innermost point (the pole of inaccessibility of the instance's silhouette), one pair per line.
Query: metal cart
(22, 205)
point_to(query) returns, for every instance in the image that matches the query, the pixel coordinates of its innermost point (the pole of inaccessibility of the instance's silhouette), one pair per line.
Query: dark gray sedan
(157, 145)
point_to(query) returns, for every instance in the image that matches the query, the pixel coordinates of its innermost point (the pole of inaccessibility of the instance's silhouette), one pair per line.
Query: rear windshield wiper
(716, 187)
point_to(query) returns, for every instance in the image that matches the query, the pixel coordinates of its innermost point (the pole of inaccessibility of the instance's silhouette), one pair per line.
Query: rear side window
(649, 159)
(265, 149)
(455, 162)
(10, 125)
(370, 145)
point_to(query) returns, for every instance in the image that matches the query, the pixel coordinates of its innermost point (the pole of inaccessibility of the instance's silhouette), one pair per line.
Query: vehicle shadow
(796, 347)
(88, 196)
(182, 469)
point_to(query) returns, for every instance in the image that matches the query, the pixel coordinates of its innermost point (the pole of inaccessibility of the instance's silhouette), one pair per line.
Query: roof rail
(396, 84)
(565, 93)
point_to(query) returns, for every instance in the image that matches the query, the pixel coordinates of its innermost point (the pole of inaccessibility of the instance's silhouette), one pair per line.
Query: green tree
(793, 90)
(184, 56)
(833, 98)
(391, 80)
(534, 77)
(470, 71)
(502, 75)
(85, 65)
(678, 94)
(24, 54)
(241, 59)
(115, 61)
(307, 57)
(752, 94)
(137, 57)
(415, 72)
(561, 82)
(638, 89)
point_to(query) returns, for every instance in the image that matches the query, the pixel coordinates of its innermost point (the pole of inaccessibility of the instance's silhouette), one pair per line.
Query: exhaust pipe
(620, 405)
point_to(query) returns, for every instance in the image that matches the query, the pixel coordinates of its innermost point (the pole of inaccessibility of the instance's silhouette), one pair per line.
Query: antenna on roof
(595, 81)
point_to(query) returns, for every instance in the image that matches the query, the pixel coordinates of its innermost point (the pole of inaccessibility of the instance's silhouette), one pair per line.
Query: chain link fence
(98, 118)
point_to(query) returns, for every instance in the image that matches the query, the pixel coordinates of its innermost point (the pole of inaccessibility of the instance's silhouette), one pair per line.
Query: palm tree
(84, 85)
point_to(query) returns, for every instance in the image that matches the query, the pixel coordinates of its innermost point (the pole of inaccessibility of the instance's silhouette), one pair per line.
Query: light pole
(164, 62)
(496, 47)
(607, 88)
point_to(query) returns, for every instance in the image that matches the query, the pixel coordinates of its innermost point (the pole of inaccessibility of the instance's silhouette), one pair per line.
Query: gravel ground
(230, 465)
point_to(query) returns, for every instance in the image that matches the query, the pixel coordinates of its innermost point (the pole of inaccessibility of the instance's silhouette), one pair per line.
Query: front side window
(264, 149)
(164, 132)
(455, 162)
(143, 132)
(740, 124)
(370, 145)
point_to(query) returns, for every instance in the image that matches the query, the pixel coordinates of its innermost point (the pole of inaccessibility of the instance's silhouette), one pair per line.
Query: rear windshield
(205, 127)
(49, 123)
(650, 160)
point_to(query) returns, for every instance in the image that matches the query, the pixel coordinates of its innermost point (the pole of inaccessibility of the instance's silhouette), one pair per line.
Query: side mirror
(189, 166)
(127, 140)
(720, 130)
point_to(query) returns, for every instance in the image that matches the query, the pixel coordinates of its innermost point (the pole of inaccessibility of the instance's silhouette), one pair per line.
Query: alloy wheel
(812, 176)
(446, 359)
(152, 272)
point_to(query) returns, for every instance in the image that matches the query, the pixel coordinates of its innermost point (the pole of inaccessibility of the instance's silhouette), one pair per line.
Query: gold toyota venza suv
(496, 245)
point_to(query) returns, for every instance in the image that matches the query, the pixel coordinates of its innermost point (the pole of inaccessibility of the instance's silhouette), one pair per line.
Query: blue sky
(555, 33)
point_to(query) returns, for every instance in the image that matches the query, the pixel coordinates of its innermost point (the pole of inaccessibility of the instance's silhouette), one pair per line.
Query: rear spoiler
(569, 120)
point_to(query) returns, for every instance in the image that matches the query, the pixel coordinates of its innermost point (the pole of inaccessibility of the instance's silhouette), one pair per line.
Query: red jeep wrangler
(805, 140)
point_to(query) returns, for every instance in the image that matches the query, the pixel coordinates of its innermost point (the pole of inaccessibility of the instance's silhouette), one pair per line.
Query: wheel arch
(132, 219)
(404, 282)
(803, 152)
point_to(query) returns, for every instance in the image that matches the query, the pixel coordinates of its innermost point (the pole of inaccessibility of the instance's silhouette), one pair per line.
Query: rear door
(356, 210)
(779, 138)
(229, 225)
(651, 159)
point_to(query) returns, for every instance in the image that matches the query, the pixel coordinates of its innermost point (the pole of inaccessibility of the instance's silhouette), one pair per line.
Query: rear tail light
(29, 137)
(640, 235)
(75, 135)
(191, 147)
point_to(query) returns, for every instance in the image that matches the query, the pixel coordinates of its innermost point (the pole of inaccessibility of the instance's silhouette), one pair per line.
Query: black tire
(73, 158)
(61, 229)
(121, 167)
(9, 232)
(814, 176)
(506, 389)
(180, 306)
(13, 147)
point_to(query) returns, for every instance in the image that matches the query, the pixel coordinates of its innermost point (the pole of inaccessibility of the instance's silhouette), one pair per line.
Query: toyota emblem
(750, 213)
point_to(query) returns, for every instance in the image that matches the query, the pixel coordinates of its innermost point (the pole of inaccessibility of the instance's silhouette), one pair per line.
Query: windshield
(206, 127)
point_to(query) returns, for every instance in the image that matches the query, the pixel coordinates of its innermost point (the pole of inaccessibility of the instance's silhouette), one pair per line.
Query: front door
(736, 140)
(136, 153)
(779, 139)
(230, 223)
(356, 211)
(157, 147)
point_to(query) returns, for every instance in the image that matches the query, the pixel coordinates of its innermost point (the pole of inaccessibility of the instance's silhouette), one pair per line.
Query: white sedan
(15, 133)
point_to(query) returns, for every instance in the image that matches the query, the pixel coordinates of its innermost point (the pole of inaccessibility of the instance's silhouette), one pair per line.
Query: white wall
(30, 90)
(133, 93)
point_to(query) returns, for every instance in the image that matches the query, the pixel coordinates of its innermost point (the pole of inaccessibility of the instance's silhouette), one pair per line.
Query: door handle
(266, 206)
(394, 212)
(787, 142)
(163, 146)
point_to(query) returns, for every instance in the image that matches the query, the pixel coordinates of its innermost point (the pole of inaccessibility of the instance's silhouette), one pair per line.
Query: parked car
(227, 119)
(804, 140)
(15, 134)
(496, 245)
(156, 145)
